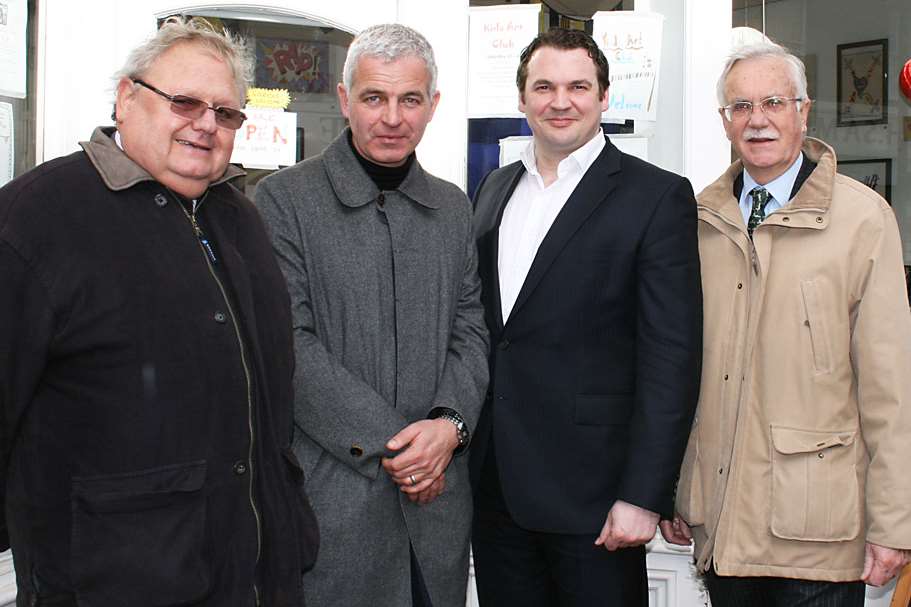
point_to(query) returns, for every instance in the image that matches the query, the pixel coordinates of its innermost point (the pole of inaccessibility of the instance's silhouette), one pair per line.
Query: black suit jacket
(595, 376)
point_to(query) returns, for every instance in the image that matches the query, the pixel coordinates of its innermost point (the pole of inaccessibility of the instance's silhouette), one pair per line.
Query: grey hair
(232, 49)
(761, 50)
(390, 41)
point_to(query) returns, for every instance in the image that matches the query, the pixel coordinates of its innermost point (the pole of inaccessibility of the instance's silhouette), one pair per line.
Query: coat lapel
(494, 216)
(596, 185)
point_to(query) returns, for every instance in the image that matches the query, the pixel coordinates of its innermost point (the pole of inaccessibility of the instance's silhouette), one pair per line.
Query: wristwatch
(453, 416)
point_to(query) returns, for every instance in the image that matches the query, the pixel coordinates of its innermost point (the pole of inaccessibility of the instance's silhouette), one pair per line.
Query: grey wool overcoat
(388, 324)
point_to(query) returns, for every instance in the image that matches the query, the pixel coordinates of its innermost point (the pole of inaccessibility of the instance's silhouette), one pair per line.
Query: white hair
(390, 42)
(761, 50)
(233, 50)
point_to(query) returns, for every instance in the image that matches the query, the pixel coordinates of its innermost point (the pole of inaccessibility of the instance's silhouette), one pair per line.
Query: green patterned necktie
(760, 197)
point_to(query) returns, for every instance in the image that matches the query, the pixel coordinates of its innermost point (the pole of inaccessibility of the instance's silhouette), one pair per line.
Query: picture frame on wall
(861, 92)
(875, 173)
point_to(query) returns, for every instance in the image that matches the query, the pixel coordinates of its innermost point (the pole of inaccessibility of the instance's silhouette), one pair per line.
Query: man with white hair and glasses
(795, 484)
(146, 358)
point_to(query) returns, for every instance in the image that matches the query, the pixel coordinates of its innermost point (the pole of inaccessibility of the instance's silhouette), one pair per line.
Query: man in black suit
(590, 274)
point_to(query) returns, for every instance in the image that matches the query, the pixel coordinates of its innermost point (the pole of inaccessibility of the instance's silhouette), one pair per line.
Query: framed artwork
(861, 94)
(875, 173)
(297, 65)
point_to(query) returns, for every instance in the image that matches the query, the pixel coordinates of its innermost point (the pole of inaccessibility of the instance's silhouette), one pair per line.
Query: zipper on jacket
(209, 254)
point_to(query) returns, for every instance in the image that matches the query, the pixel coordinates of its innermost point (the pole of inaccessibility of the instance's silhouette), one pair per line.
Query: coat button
(720, 470)
(161, 200)
(220, 317)
(739, 285)
(356, 451)
(240, 468)
(822, 455)
(725, 377)
(503, 344)
(786, 219)
(819, 220)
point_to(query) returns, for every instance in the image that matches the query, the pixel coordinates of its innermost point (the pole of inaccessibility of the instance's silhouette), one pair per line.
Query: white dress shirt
(531, 211)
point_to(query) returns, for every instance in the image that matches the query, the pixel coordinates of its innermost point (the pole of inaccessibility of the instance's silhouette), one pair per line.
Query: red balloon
(904, 80)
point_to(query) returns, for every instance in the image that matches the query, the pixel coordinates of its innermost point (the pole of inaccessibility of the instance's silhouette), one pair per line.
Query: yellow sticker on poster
(277, 99)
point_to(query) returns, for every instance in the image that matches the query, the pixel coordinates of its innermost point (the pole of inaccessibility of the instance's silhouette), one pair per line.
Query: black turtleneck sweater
(385, 178)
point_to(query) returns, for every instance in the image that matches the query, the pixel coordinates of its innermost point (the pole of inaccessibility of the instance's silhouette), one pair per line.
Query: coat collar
(118, 171)
(816, 192)
(353, 186)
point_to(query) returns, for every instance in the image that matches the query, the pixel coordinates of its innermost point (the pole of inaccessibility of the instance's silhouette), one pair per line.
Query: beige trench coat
(801, 449)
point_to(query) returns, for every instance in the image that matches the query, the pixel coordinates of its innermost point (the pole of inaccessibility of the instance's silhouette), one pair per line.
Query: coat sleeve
(465, 373)
(334, 407)
(26, 328)
(881, 355)
(668, 351)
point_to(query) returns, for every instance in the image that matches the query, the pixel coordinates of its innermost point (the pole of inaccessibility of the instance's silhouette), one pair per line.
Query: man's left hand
(425, 449)
(626, 526)
(881, 564)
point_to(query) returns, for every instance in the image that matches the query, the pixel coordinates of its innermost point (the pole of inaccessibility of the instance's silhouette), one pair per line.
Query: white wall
(76, 69)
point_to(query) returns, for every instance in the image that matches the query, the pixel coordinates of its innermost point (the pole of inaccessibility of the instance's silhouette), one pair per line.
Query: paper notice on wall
(267, 140)
(631, 41)
(7, 159)
(13, 19)
(497, 35)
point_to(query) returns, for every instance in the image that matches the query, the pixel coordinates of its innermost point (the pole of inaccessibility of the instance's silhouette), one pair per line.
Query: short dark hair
(566, 40)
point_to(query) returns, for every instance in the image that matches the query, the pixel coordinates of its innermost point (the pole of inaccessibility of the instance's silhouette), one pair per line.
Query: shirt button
(220, 317)
(161, 200)
(240, 468)
(356, 451)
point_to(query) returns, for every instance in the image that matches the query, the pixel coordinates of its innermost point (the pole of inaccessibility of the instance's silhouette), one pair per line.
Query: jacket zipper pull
(203, 240)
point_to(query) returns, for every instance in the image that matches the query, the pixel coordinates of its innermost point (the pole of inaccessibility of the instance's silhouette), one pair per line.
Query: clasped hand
(424, 450)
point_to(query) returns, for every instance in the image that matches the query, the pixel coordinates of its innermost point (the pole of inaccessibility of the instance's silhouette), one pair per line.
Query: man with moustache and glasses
(795, 485)
(146, 358)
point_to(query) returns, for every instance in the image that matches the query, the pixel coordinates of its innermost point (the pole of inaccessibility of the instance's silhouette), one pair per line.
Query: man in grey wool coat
(389, 338)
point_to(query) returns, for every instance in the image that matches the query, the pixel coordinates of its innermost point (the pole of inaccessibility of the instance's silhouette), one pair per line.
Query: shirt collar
(780, 188)
(580, 159)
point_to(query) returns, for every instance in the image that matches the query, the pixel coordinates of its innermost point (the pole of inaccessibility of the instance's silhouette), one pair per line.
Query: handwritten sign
(267, 140)
(497, 35)
(631, 41)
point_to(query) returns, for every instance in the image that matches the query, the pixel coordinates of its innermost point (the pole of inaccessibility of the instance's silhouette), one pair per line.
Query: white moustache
(760, 134)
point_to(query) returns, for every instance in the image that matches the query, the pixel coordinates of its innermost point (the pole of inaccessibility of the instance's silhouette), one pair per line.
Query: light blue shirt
(779, 188)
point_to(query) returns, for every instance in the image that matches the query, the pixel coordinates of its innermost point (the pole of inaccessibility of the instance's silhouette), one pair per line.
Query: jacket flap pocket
(602, 410)
(140, 489)
(789, 440)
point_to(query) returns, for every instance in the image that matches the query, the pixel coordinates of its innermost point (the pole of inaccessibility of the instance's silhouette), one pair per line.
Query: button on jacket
(802, 442)
(146, 398)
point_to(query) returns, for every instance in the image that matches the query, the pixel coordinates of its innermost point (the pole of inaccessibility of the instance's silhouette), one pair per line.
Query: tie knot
(760, 196)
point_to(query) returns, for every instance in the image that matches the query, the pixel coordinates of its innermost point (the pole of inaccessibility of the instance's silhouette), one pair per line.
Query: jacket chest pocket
(817, 327)
(815, 489)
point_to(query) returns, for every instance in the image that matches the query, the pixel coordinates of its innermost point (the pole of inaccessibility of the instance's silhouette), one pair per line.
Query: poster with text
(631, 41)
(266, 140)
(13, 19)
(497, 35)
(296, 65)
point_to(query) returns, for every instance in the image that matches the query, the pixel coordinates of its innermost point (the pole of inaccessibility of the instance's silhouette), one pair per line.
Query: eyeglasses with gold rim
(192, 108)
